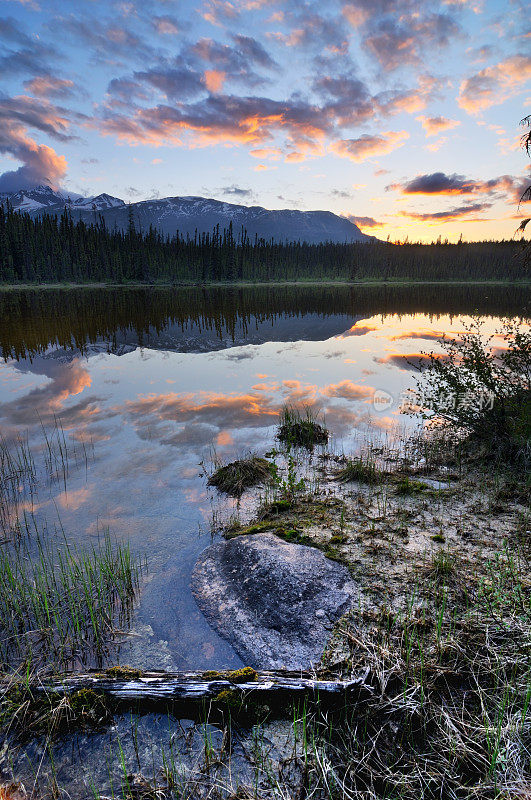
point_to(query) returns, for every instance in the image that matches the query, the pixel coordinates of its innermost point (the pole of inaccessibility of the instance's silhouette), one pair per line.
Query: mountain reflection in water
(156, 378)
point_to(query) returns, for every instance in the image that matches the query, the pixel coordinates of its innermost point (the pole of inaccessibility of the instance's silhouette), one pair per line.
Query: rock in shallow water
(275, 602)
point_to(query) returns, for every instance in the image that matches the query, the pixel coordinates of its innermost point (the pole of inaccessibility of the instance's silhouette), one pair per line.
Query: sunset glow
(404, 118)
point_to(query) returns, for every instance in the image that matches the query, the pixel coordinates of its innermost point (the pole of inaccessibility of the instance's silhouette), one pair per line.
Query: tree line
(56, 249)
(76, 319)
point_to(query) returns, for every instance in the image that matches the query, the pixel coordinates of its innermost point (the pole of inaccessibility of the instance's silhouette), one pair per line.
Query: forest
(50, 249)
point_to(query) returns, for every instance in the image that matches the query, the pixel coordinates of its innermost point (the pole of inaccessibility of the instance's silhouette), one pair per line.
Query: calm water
(151, 381)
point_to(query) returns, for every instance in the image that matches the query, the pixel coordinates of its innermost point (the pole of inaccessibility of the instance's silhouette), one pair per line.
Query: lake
(149, 385)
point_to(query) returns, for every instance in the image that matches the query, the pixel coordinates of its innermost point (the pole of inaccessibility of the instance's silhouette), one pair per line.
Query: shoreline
(258, 284)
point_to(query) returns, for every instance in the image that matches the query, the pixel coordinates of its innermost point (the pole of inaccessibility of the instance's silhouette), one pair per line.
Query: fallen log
(123, 684)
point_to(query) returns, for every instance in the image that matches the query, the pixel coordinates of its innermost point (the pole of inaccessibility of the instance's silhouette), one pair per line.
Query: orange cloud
(224, 439)
(435, 125)
(347, 390)
(369, 146)
(214, 80)
(74, 499)
(48, 86)
(493, 85)
(273, 153)
(358, 330)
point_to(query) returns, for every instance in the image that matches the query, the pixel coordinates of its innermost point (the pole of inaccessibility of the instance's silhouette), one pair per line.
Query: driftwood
(189, 687)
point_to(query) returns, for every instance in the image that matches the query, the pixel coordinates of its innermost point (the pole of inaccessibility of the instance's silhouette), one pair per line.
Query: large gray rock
(275, 602)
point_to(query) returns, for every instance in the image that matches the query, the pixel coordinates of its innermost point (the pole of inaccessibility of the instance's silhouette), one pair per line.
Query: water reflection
(155, 379)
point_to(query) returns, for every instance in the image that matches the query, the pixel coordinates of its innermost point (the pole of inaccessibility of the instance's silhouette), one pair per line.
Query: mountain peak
(191, 213)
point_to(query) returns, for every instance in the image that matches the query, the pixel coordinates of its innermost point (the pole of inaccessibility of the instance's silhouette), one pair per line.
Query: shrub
(483, 391)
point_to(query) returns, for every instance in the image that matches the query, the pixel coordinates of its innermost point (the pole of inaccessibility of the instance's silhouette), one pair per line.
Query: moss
(257, 527)
(89, 706)
(242, 675)
(277, 507)
(123, 672)
(239, 705)
(229, 698)
(438, 538)
(294, 536)
(407, 487)
(338, 538)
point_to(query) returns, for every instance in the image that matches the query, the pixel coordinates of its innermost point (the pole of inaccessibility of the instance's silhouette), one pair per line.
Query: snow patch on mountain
(190, 214)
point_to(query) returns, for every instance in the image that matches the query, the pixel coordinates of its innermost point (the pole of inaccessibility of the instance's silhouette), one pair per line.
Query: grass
(362, 469)
(407, 487)
(299, 427)
(450, 711)
(236, 477)
(444, 710)
(26, 468)
(63, 607)
(27, 712)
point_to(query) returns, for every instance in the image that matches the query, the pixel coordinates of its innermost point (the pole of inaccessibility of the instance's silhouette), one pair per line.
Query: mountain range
(190, 214)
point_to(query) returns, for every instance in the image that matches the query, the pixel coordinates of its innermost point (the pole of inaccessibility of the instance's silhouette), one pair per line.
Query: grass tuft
(236, 477)
(360, 470)
(300, 428)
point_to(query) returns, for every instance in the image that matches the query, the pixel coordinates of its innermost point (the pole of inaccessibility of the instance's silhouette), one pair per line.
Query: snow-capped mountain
(190, 214)
(100, 202)
(50, 200)
(36, 199)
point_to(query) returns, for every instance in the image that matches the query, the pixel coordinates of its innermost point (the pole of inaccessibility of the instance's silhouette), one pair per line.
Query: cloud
(357, 330)
(368, 146)
(347, 390)
(409, 361)
(236, 191)
(65, 381)
(272, 153)
(108, 39)
(49, 86)
(214, 79)
(443, 184)
(398, 41)
(449, 215)
(346, 97)
(40, 163)
(222, 411)
(221, 119)
(219, 12)
(23, 53)
(493, 85)
(254, 51)
(400, 32)
(311, 30)
(435, 125)
(166, 25)
(176, 81)
(364, 222)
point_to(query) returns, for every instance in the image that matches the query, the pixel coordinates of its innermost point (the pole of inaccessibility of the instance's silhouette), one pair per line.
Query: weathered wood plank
(194, 686)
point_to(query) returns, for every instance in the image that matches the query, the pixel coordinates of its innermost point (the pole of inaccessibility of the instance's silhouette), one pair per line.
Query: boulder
(273, 601)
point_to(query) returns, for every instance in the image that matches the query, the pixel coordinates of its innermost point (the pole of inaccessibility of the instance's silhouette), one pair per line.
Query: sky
(402, 115)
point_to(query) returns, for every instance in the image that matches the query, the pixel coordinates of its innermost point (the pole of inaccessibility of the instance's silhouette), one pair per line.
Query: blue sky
(402, 115)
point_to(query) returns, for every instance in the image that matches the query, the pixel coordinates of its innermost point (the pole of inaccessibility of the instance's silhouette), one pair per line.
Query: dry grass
(236, 477)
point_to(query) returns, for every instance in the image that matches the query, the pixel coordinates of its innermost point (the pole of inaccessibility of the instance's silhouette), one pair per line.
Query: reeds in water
(299, 427)
(62, 606)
